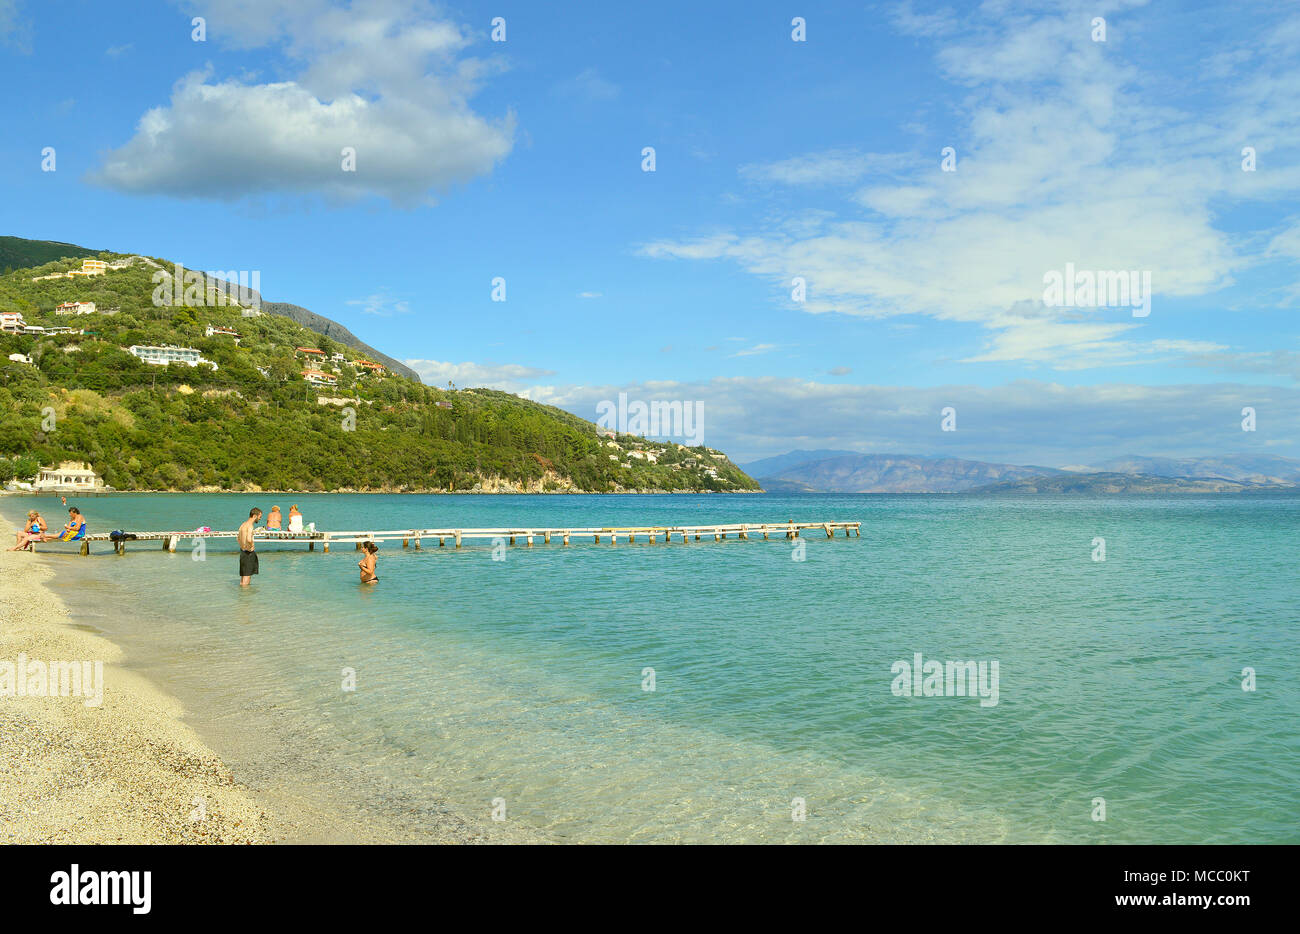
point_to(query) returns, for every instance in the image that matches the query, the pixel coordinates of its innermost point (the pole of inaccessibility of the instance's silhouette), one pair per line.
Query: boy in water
(247, 554)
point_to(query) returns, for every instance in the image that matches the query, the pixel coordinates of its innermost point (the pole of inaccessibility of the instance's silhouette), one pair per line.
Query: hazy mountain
(1252, 468)
(773, 466)
(1128, 483)
(891, 473)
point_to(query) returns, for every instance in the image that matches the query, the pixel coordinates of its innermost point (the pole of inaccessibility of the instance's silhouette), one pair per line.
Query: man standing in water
(247, 556)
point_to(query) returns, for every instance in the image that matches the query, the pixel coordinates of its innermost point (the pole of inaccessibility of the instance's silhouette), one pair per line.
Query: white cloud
(382, 77)
(1061, 158)
(587, 86)
(14, 30)
(754, 351)
(380, 304)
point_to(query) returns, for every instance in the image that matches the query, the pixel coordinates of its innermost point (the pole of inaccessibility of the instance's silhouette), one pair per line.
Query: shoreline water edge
(97, 753)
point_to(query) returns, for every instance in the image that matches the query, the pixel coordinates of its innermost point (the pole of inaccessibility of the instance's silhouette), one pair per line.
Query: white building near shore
(69, 475)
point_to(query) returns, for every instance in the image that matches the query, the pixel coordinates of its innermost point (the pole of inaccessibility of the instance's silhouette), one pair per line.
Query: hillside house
(75, 308)
(213, 330)
(319, 379)
(11, 322)
(161, 356)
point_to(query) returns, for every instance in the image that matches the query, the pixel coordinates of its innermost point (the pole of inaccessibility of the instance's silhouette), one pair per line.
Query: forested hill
(17, 253)
(248, 419)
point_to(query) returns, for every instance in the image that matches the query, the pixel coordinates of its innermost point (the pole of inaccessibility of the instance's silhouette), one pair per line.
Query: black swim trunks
(247, 563)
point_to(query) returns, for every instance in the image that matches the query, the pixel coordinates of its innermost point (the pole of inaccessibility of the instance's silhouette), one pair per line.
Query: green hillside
(17, 253)
(254, 422)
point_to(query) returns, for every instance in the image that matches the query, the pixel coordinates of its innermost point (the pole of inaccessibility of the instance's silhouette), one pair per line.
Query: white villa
(12, 322)
(69, 475)
(161, 356)
(75, 308)
(214, 330)
(318, 379)
(20, 358)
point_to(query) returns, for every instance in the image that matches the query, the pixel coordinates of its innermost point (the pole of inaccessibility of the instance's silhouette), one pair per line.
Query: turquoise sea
(522, 681)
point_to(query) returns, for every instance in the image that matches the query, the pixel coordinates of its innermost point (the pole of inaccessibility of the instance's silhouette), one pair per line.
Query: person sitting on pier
(295, 519)
(74, 531)
(274, 520)
(367, 564)
(34, 531)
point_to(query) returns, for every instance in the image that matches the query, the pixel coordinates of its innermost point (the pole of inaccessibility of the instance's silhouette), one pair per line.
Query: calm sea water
(523, 680)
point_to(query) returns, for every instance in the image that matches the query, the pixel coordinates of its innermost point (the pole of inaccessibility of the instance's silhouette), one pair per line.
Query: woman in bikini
(274, 520)
(367, 564)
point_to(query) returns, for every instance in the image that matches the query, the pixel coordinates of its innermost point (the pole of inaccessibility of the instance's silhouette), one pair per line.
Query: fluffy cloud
(382, 78)
(1061, 158)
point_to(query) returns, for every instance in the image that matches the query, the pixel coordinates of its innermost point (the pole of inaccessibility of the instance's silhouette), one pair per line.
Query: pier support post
(597, 538)
(744, 533)
(417, 543)
(326, 546)
(358, 546)
(458, 538)
(546, 538)
(829, 533)
(613, 538)
(765, 534)
(528, 540)
(442, 541)
(653, 536)
(406, 542)
(85, 548)
(311, 546)
(697, 536)
(631, 537)
(566, 538)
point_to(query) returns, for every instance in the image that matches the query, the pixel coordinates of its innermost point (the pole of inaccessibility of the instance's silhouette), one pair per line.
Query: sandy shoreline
(132, 770)
(126, 771)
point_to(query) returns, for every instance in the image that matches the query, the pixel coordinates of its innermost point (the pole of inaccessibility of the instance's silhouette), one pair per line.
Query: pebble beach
(124, 772)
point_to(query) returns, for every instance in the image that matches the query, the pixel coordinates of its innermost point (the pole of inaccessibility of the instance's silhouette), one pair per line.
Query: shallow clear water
(522, 679)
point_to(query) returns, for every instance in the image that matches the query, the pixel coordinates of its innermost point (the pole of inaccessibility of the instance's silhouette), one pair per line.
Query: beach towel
(77, 536)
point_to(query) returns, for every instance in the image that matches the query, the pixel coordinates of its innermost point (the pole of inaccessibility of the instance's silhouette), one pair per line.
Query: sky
(853, 221)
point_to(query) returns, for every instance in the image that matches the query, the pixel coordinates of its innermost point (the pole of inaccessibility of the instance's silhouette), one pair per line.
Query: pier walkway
(651, 534)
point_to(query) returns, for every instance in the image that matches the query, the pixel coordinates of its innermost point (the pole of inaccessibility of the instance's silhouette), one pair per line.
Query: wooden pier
(417, 538)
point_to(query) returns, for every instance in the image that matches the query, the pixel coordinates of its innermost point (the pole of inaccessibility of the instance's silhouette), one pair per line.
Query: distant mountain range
(828, 471)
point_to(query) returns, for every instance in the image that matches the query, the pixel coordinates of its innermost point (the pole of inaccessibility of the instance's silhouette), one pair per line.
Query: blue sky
(775, 159)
